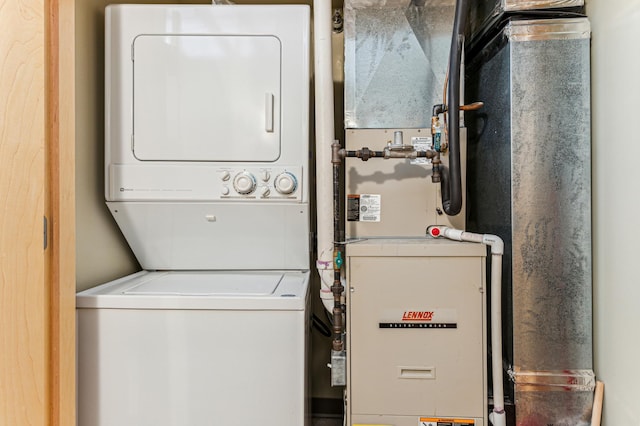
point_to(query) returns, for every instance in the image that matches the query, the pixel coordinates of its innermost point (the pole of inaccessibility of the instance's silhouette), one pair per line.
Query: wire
(319, 325)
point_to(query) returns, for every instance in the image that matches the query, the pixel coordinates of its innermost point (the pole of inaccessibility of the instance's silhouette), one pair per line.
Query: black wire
(319, 325)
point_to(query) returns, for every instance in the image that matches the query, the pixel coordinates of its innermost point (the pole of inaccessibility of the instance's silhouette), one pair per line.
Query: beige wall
(616, 205)
(102, 254)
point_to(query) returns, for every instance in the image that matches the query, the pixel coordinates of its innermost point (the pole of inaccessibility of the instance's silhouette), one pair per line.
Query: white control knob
(265, 191)
(225, 175)
(286, 183)
(225, 190)
(265, 175)
(244, 183)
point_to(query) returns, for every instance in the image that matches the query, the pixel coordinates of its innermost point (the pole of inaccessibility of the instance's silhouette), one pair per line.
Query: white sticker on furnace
(368, 207)
(421, 143)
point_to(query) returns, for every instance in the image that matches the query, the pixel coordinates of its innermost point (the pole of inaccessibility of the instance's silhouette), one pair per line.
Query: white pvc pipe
(323, 70)
(498, 416)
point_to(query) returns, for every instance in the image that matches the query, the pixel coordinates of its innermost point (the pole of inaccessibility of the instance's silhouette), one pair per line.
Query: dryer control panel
(177, 182)
(260, 183)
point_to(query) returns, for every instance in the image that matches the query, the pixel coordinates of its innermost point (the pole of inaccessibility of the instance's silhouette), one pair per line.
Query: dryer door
(206, 98)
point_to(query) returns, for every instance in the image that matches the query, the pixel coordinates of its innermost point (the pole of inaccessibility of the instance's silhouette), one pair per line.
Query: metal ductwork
(529, 181)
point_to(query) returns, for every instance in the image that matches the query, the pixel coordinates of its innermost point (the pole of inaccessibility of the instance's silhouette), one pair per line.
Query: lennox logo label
(417, 316)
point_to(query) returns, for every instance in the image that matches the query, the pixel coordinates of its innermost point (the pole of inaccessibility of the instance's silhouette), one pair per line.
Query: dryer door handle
(268, 112)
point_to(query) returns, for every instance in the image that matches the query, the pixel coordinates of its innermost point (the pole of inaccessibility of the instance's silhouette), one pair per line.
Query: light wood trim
(598, 398)
(61, 150)
(24, 350)
(67, 213)
(37, 286)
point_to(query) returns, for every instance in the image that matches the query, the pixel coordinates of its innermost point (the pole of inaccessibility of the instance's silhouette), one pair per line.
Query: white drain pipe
(498, 416)
(323, 72)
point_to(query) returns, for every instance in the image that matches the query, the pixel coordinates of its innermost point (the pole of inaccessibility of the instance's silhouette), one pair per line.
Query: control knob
(286, 183)
(244, 183)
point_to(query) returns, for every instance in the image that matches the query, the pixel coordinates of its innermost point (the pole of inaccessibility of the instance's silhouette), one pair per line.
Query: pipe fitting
(335, 153)
(364, 154)
(337, 21)
(438, 109)
(496, 243)
(498, 419)
(436, 175)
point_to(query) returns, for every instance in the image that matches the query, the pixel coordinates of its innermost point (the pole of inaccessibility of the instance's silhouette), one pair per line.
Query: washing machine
(206, 175)
(194, 348)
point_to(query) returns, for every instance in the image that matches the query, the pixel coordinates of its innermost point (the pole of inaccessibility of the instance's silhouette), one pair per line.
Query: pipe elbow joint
(451, 208)
(495, 242)
(498, 418)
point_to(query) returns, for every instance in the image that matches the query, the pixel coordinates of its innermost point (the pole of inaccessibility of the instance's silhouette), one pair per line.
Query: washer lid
(207, 284)
(206, 290)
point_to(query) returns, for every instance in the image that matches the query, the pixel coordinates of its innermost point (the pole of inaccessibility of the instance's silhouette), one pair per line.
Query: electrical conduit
(497, 417)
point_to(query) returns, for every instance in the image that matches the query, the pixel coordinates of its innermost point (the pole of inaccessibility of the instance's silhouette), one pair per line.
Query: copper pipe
(472, 107)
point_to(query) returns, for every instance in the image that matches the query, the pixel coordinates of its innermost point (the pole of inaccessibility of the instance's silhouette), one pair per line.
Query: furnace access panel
(416, 345)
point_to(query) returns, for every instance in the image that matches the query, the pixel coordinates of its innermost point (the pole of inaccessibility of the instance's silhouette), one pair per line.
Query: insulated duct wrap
(529, 181)
(396, 56)
(487, 13)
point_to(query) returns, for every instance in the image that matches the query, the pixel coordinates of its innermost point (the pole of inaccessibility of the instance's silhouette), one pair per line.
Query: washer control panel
(275, 183)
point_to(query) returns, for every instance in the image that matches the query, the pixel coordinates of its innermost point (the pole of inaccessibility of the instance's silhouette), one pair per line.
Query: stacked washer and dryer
(207, 177)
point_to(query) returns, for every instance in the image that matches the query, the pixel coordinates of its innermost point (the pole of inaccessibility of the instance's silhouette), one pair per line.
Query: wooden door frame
(60, 206)
(37, 163)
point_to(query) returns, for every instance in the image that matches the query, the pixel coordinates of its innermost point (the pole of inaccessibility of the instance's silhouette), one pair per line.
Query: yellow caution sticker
(435, 421)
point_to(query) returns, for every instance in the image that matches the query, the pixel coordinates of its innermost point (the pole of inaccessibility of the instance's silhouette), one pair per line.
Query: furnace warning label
(428, 421)
(421, 143)
(363, 207)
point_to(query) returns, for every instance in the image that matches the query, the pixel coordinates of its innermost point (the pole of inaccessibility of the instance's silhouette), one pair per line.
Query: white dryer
(206, 170)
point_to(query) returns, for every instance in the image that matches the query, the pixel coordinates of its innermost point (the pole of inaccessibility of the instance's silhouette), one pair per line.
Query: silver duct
(396, 55)
(529, 181)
